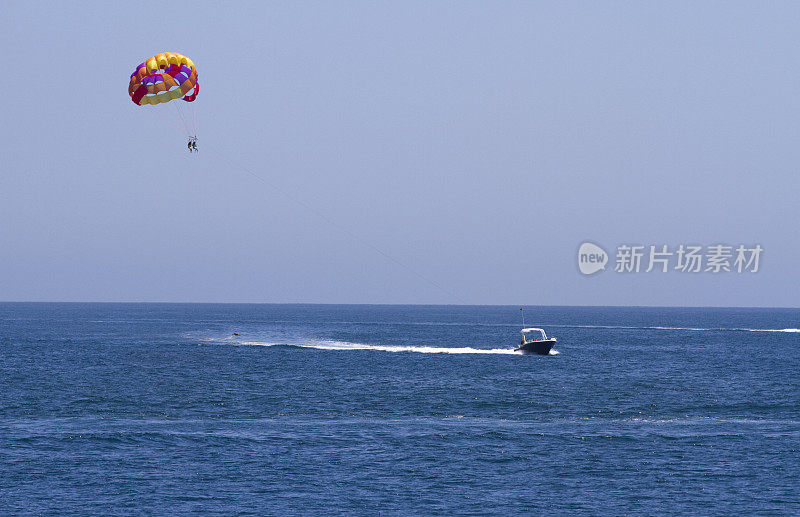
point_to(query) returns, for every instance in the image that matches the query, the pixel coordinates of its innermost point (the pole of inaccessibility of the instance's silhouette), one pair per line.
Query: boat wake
(770, 330)
(695, 329)
(344, 346)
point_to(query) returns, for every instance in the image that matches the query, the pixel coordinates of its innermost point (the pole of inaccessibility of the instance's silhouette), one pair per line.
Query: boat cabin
(526, 338)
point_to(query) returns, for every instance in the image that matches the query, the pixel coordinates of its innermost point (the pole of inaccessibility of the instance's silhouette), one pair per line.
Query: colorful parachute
(162, 78)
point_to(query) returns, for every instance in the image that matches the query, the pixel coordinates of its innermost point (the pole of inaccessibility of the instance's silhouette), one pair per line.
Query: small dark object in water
(235, 333)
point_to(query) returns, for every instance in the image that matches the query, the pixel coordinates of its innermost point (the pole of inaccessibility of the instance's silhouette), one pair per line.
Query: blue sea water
(396, 410)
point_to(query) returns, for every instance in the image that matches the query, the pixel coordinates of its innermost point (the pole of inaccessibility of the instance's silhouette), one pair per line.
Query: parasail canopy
(163, 78)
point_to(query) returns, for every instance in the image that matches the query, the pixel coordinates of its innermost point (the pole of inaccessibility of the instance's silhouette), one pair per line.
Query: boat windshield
(534, 334)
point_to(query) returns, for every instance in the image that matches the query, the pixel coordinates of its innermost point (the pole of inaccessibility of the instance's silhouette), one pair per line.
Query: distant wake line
(556, 325)
(770, 330)
(342, 346)
(718, 329)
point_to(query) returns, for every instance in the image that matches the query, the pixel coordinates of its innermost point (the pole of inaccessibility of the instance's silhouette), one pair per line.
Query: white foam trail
(635, 327)
(342, 345)
(771, 330)
(718, 329)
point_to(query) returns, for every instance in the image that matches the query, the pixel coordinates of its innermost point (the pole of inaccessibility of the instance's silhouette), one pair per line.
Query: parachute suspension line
(194, 120)
(343, 229)
(170, 122)
(183, 119)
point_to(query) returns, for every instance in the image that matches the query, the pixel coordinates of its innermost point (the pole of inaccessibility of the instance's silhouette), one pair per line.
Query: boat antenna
(523, 316)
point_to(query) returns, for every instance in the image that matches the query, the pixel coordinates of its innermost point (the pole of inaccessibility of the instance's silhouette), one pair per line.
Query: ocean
(119, 409)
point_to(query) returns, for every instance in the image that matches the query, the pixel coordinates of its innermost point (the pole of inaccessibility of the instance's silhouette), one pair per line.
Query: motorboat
(535, 341)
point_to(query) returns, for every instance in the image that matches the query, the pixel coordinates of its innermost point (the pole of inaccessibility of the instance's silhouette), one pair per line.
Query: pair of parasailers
(192, 145)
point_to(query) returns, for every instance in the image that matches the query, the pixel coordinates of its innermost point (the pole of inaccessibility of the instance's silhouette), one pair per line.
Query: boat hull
(540, 347)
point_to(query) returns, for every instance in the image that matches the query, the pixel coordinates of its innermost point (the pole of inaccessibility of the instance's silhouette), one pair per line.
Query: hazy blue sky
(478, 142)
